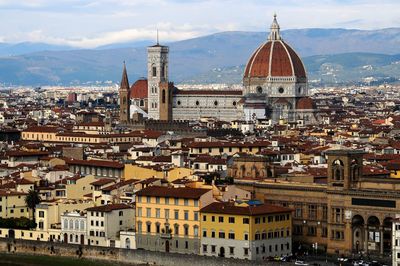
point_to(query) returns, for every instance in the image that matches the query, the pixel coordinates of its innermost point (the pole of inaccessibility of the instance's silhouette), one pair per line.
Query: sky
(93, 23)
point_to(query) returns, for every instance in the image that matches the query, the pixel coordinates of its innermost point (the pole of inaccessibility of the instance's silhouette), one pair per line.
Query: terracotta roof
(109, 208)
(96, 163)
(42, 129)
(139, 89)
(231, 208)
(181, 192)
(274, 58)
(102, 181)
(305, 103)
(120, 184)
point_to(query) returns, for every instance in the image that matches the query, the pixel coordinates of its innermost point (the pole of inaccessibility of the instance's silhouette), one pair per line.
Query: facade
(351, 213)
(245, 230)
(73, 227)
(104, 223)
(168, 219)
(274, 81)
(12, 204)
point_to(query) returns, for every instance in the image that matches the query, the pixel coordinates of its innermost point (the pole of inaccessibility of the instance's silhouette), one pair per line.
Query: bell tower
(124, 116)
(344, 168)
(157, 74)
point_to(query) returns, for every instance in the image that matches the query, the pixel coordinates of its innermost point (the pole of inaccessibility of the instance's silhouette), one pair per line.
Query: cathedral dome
(139, 89)
(274, 58)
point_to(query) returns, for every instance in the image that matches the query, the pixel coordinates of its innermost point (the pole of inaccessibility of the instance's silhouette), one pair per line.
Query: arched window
(154, 71)
(82, 225)
(71, 225)
(337, 170)
(163, 96)
(196, 230)
(163, 70)
(141, 103)
(76, 225)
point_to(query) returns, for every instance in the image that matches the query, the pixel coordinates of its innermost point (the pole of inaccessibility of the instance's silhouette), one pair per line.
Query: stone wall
(113, 254)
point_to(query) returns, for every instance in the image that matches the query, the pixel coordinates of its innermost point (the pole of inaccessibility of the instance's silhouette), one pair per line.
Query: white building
(104, 224)
(73, 227)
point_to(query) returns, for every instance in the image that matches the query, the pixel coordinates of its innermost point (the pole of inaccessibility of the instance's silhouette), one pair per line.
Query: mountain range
(330, 56)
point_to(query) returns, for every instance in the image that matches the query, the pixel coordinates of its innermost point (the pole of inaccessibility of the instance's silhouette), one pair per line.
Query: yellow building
(248, 230)
(168, 218)
(12, 204)
(132, 171)
(227, 147)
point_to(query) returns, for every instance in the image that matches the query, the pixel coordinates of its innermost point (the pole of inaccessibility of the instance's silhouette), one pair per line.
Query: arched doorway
(221, 252)
(387, 234)
(167, 246)
(65, 238)
(374, 234)
(357, 225)
(127, 243)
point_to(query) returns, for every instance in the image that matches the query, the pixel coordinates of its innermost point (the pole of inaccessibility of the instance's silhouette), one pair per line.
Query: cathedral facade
(275, 87)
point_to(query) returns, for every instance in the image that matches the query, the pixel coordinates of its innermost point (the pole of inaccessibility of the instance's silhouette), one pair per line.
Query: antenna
(157, 38)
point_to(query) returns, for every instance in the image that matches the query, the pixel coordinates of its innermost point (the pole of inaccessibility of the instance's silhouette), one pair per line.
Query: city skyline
(89, 24)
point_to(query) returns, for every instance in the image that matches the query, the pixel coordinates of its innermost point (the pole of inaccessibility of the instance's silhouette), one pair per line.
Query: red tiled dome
(305, 103)
(139, 89)
(275, 58)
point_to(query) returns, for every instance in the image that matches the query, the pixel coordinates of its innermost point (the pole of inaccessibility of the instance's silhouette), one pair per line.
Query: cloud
(91, 23)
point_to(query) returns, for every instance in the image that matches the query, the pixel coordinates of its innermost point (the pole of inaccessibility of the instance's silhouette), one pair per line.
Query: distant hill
(330, 55)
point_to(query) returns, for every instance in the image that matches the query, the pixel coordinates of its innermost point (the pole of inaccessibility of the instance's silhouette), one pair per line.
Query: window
(196, 203)
(154, 71)
(216, 103)
(157, 213)
(166, 201)
(176, 229)
(121, 213)
(246, 236)
(299, 212)
(221, 234)
(337, 215)
(139, 212)
(312, 211)
(196, 216)
(204, 248)
(312, 231)
(148, 227)
(204, 218)
(186, 215)
(213, 234)
(204, 233)
(196, 230)
(157, 228)
(186, 229)
(41, 214)
(231, 220)
(148, 212)
(166, 213)
(176, 201)
(158, 200)
(257, 221)
(231, 250)
(281, 90)
(257, 236)
(246, 251)
(246, 220)
(176, 214)
(213, 247)
(231, 235)
(220, 219)
(212, 218)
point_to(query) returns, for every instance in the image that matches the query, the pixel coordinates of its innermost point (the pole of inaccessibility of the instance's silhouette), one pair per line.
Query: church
(275, 88)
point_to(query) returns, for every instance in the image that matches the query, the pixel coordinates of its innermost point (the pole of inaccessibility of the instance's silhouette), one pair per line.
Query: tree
(31, 200)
